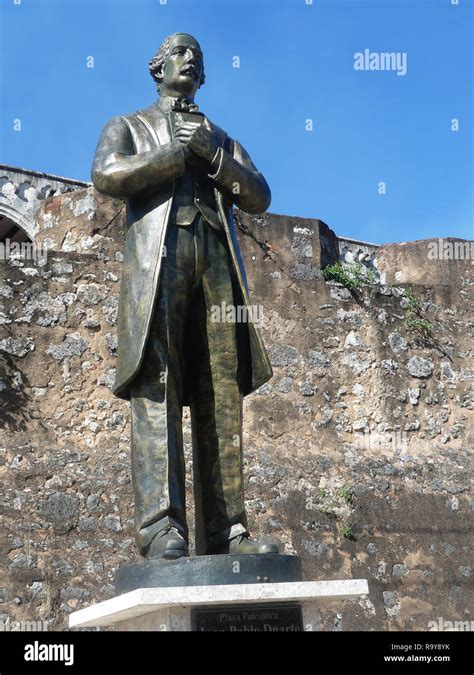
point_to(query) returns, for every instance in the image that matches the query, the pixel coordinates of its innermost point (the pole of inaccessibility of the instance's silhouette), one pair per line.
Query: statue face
(183, 68)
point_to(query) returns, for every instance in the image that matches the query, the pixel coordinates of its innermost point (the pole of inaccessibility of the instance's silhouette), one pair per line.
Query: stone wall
(356, 452)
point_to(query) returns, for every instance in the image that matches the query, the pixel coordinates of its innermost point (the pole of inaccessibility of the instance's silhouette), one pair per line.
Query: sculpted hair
(157, 63)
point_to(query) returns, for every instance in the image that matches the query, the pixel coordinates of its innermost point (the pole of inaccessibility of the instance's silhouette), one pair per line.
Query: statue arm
(118, 171)
(242, 183)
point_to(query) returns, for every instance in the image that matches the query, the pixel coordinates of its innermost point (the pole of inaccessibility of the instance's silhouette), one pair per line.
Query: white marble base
(169, 609)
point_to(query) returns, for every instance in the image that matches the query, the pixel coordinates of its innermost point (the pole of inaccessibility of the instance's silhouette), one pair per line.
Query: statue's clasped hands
(196, 138)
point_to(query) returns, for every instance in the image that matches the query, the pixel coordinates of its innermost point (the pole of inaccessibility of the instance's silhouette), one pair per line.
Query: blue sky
(296, 64)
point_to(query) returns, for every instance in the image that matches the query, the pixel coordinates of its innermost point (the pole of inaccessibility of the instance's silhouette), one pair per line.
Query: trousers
(189, 354)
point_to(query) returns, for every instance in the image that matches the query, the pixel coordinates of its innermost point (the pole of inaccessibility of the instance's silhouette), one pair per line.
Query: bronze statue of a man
(180, 174)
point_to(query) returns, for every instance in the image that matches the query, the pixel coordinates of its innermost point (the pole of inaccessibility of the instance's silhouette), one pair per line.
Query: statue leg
(158, 468)
(215, 398)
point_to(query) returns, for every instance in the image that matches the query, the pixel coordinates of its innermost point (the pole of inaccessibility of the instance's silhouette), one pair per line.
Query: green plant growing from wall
(347, 494)
(414, 319)
(345, 530)
(336, 503)
(350, 275)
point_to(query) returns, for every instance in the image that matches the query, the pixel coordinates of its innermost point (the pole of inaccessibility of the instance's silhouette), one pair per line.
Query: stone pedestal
(284, 606)
(215, 592)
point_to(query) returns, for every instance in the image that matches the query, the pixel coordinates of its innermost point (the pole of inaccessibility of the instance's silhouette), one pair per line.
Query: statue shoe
(242, 544)
(168, 544)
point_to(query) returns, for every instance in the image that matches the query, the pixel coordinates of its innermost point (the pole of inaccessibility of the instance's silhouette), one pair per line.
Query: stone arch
(14, 225)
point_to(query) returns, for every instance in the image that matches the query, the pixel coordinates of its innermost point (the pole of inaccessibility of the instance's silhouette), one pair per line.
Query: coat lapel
(158, 125)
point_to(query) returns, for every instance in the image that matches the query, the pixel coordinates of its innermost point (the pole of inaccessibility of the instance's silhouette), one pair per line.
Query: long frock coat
(137, 160)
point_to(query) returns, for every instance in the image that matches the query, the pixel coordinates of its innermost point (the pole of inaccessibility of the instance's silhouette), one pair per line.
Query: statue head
(178, 66)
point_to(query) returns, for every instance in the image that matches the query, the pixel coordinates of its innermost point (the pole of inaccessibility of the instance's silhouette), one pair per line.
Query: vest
(193, 190)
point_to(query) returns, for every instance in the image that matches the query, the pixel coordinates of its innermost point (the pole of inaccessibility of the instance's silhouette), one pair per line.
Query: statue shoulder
(119, 124)
(130, 124)
(151, 112)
